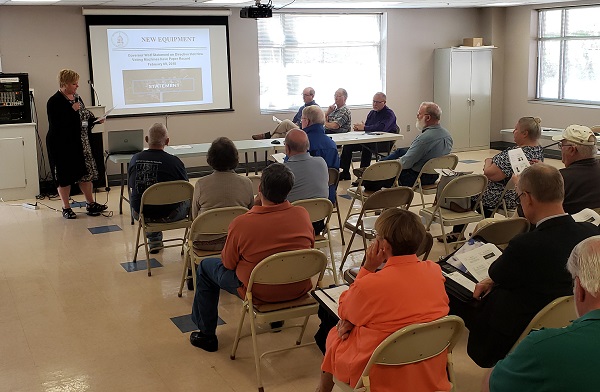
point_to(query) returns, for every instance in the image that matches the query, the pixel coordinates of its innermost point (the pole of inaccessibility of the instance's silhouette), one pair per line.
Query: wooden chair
(412, 344)
(281, 268)
(362, 224)
(376, 172)
(449, 162)
(557, 314)
(213, 222)
(163, 193)
(467, 186)
(321, 209)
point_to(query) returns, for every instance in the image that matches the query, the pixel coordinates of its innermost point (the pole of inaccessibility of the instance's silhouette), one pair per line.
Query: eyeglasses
(378, 101)
(519, 196)
(307, 95)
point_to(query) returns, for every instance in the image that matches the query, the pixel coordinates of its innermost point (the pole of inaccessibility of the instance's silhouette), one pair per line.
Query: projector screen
(143, 65)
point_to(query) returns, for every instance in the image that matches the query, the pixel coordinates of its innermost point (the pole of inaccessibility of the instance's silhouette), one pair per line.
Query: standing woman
(68, 144)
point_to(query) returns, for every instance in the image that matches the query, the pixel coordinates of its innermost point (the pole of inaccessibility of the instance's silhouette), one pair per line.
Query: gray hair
(532, 126)
(584, 151)
(157, 135)
(343, 91)
(584, 263)
(432, 109)
(314, 114)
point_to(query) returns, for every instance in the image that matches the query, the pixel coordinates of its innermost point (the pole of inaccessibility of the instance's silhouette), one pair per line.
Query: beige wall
(55, 38)
(519, 77)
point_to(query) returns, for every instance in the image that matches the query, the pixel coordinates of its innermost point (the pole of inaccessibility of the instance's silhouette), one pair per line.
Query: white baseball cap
(579, 134)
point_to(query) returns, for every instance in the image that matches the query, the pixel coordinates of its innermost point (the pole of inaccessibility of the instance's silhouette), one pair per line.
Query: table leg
(122, 185)
(255, 163)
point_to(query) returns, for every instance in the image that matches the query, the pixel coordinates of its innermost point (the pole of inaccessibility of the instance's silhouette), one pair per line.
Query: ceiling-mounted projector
(257, 11)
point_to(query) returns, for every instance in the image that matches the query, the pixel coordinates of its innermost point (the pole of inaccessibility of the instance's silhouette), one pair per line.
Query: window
(569, 55)
(325, 52)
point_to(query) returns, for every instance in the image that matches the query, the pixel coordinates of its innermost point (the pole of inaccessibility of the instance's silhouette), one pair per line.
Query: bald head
(158, 137)
(296, 142)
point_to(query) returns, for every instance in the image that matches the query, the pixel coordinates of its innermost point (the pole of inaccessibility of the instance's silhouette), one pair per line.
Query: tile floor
(72, 319)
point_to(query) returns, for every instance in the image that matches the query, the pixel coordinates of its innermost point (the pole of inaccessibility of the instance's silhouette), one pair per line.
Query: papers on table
(105, 115)
(478, 261)
(330, 297)
(518, 160)
(181, 147)
(275, 119)
(587, 215)
(278, 157)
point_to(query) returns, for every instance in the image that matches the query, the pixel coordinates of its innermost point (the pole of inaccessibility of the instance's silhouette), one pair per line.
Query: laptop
(125, 142)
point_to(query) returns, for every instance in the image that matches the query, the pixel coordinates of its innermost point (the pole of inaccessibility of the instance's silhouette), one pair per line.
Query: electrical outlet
(408, 128)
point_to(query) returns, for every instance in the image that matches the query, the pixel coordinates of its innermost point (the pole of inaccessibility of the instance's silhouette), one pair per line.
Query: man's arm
(384, 123)
(508, 269)
(520, 371)
(298, 117)
(417, 150)
(230, 255)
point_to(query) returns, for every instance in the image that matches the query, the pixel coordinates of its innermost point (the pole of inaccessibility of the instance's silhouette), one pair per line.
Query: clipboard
(329, 298)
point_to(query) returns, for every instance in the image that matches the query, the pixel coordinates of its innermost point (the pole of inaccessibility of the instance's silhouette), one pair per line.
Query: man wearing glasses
(529, 274)
(582, 170)
(308, 96)
(380, 119)
(338, 115)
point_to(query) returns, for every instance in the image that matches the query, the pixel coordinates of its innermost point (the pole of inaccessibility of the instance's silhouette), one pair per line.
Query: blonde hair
(532, 126)
(67, 76)
(314, 114)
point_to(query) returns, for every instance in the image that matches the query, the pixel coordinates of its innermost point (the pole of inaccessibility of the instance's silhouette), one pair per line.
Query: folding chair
(449, 162)
(321, 209)
(423, 252)
(334, 179)
(376, 172)
(467, 186)
(413, 344)
(502, 231)
(212, 223)
(363, 225)
(164, 193)
(557, 314)
(501, 207)
(278, 269)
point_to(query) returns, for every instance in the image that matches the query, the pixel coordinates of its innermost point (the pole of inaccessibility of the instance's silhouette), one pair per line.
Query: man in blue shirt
(380, 119)
(434, 141)
(308, 96)
(564, 359)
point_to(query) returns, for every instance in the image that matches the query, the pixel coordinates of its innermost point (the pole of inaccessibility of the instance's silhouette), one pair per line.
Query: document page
(478, 260)
(279, 157)
(275, 119)
(587, 215)
(518, 160)
(330, 297)
(461, 280)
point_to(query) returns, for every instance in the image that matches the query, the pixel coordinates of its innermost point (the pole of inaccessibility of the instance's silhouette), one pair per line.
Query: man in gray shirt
(434, 141)
(311, 176)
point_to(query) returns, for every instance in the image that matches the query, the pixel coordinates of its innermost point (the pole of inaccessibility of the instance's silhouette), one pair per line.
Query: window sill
(286, 111)
(569, 104)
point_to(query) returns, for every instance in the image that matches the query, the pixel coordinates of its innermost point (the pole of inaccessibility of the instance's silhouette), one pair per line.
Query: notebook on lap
(125, 142)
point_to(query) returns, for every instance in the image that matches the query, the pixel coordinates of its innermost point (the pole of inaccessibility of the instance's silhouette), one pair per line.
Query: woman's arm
(492, 172)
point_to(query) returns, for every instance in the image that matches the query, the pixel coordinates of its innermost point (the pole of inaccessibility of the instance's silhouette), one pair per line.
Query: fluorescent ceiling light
(365, 4)
(500, 4)
(34, 1)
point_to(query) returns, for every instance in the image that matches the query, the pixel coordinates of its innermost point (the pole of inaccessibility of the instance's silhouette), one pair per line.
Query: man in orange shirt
(271, 227)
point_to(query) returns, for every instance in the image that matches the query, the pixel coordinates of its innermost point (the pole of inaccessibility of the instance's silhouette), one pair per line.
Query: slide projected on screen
(161, 68)
(151, 69)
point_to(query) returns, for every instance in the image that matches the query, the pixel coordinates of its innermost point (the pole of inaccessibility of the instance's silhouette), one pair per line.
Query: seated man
(530, 273)
(308, 95)
(338, 115)
(582, 170)
(564, 359)
(311, 177)
(320, 145)
(380, 119)
(272, 227)
(148, 168)
(434, 141)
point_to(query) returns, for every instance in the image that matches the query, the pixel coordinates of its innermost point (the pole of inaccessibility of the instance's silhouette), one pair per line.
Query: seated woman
(222, 188)
(406, 291)
(499, 171)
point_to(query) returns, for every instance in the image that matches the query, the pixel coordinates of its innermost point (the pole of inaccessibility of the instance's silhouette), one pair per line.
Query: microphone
(75, 97)
(95, 93)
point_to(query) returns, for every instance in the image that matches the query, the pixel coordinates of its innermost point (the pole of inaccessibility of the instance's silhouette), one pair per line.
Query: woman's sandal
(68, 213)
